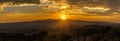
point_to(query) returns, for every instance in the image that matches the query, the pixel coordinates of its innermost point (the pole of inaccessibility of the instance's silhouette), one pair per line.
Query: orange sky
(31, 17)
(21, 15)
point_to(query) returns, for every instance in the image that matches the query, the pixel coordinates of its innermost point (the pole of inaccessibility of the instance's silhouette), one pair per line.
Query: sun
(63, 17)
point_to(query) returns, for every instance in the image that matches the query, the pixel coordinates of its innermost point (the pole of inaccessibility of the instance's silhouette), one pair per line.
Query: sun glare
(63, 17)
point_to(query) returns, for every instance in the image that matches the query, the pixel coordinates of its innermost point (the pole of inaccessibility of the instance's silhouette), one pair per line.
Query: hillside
(64, 30)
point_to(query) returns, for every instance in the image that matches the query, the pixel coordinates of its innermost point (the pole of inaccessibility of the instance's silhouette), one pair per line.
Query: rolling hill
(55, 30)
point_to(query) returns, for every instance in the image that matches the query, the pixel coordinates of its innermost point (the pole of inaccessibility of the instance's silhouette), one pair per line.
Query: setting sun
(63, 17)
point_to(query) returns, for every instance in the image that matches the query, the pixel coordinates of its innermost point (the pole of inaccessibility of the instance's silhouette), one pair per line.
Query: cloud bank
(20, 1)
(23, 9)
(45, 6)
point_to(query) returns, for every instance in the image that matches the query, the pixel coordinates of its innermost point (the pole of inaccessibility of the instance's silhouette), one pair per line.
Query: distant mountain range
(45, 24)
(63, 29)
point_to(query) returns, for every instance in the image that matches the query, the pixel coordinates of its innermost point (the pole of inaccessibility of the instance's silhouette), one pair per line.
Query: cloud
(113, 4)
(45, 6)
(44, 1)
(22, 6)
(21, 1)
(28, 8)
(107, 7)
(95, 9)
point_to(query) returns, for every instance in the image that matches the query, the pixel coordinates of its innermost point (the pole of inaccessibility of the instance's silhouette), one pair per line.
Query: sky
(31, 10)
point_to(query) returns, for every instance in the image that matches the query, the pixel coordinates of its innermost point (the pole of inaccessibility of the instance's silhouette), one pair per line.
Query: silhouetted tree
(89, 30)
(22, 37)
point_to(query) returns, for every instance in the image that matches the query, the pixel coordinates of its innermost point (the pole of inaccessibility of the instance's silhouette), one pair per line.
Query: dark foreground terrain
(59, 30)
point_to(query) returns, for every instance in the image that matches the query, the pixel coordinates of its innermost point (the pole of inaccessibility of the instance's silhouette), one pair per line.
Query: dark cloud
(86, 2)
(114, 4)
(21, 1)
(106, 3)
(23, 9)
